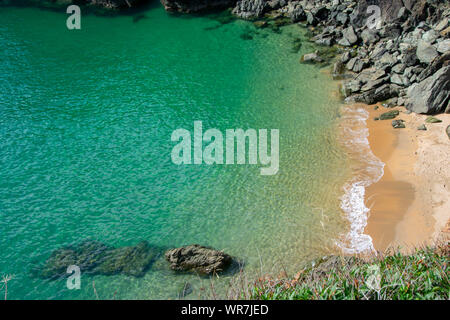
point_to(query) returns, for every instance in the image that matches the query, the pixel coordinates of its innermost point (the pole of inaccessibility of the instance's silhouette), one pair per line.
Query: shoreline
(409, 205)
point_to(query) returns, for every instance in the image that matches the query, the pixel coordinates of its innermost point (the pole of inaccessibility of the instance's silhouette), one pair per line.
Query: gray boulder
(349, 37)
(369, 36)
(443, 46)
(311, 58)
(198, 259)
(426, 52)
(432, 94)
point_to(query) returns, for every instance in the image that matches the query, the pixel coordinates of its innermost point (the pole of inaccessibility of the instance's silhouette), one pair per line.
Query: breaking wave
(367, 169)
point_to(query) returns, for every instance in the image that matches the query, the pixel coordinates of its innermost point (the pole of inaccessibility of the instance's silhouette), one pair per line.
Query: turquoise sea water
(85, 124)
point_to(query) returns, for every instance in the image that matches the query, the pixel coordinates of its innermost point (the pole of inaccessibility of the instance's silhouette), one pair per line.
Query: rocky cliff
(399, 57)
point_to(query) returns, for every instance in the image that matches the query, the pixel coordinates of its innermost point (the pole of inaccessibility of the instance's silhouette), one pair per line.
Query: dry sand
(410, 205)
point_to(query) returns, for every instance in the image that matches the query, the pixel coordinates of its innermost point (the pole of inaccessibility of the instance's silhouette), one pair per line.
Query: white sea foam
(368, 169)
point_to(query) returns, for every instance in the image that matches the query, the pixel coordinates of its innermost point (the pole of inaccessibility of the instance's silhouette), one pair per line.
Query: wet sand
(410, 203)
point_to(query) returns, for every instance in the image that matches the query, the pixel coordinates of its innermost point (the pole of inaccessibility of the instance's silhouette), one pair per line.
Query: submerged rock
(311, 58)
(198, 259)
(94, 257)
(448, 131)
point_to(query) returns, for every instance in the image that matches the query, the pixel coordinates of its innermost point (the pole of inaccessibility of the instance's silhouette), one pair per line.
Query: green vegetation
(422, 275)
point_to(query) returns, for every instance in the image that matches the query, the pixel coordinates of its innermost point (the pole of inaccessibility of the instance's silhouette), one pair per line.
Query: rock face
(432, 94)
(97, 258)
(426, 52)
(349, 37)
(311, 58)
(189, 6)
(198, 259)
(250, 9)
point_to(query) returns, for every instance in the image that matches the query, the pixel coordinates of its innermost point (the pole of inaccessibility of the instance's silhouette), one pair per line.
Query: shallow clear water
(85, 124)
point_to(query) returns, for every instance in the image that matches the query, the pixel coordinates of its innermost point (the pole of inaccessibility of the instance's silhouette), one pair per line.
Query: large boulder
(349, 37)
(198, 259)
(190, 6)
(373, 96)
(426, 52)
(432, 94)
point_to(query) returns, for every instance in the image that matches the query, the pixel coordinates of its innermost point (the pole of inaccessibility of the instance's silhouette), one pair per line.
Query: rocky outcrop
(93, 257)
(390, 60)
(189, 6)
(250, 9)
(432, 94)
(198, 259)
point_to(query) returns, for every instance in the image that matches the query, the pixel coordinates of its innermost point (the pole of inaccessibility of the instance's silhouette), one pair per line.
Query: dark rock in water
(297, 45)
(311, 58)
(189, 6)
(398, 124)
(422, 127)
(94, 257)
(199, 259)
(131, 261)
(338, 69)
(260, 24)
(86, 255)
(432, 94)
(448, 131)
(432, 120)
(246, 36)
(139, 17)
(389, 115)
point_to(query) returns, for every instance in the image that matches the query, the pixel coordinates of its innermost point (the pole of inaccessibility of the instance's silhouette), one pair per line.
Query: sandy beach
(410, 204)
